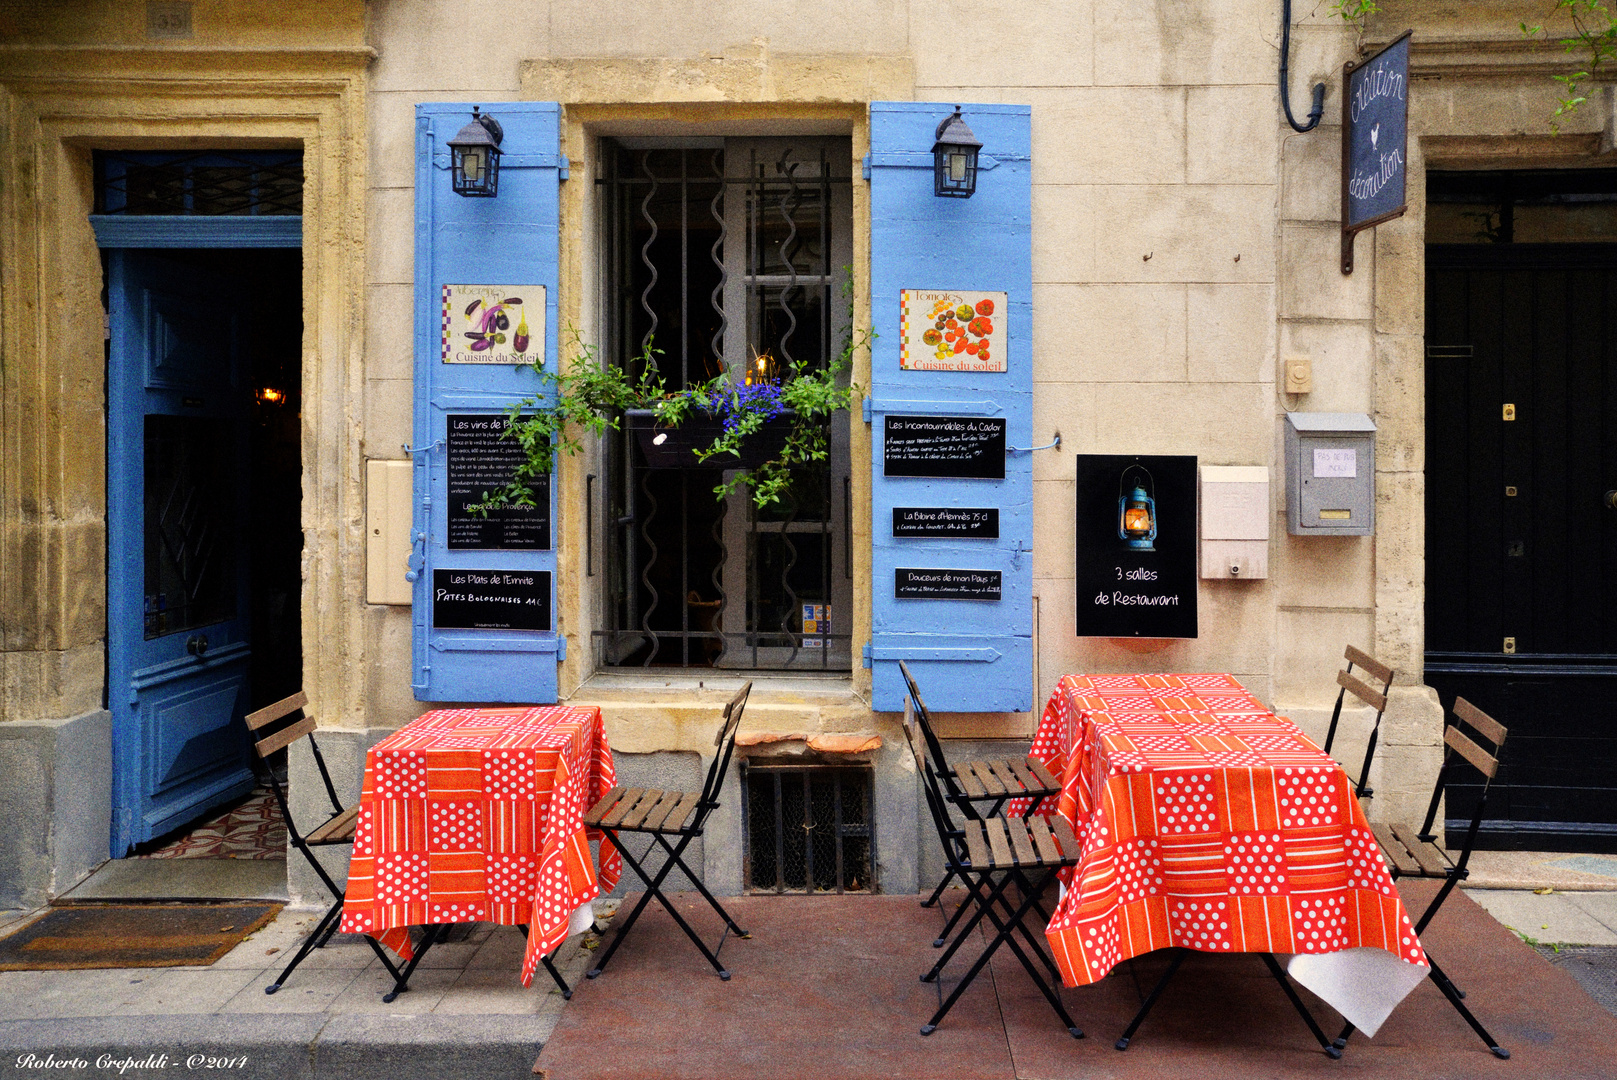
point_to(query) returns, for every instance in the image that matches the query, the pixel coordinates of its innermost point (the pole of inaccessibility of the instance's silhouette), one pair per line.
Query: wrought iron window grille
(199, 183)
(810, 829)
(721, 257)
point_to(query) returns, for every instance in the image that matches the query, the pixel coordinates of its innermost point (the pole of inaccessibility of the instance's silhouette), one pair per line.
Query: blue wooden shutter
(505, 241)
(968, 655)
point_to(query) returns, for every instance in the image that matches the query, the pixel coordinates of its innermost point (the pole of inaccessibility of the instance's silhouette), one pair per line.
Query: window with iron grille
(726, 255)
(199, 182)
(809, 829)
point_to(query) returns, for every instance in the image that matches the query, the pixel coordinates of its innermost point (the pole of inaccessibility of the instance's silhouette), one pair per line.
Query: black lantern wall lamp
(954, 158)
(474, 165)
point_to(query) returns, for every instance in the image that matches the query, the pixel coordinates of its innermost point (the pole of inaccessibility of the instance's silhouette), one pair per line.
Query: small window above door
(202, 183)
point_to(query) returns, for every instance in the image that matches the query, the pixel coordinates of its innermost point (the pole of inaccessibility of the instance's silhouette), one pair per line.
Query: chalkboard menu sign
(931, 584)
(955, 447)
(1375, 141)
(1136, 546)
(491, 599)
(480, 461)
(946, 522)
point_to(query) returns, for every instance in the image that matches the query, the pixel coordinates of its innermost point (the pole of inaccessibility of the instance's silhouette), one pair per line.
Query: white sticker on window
(1336, 463)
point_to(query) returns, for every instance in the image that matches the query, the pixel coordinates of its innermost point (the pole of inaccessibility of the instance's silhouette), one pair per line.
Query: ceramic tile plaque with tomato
(945, 330)
(493, 324)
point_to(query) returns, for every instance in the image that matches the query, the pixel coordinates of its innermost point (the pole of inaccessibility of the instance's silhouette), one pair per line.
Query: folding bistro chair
(969, 783)
(1352, 684)
(336, 829)
(1415, 853)
(1011, 847)
(665, 814)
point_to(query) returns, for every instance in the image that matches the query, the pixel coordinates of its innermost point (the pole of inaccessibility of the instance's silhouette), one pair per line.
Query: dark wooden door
(1521, 528)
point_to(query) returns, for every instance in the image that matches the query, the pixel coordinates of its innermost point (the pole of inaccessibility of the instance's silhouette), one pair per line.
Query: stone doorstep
(1531, 870)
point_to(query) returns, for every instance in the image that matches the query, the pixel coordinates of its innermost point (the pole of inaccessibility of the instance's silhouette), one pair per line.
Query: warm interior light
(271, 396)
(1137, 521)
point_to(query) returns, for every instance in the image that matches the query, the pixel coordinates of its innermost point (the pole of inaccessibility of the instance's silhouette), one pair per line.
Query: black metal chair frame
(1351, 683)
(633, 804)
(1460, 751)
(987, 894)
(336, 829)
(956, 796)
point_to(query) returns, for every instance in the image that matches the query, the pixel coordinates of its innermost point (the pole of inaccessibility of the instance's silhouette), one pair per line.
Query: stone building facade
(1185, 241)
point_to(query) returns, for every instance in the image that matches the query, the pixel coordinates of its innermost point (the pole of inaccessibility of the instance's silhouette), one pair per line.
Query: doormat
(132, 936)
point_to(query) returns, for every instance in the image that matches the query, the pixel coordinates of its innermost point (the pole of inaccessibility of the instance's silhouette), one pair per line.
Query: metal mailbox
(1330, 474)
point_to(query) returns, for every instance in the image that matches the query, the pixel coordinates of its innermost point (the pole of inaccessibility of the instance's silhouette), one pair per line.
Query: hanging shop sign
(944, 330)
(946, 522)
(491, 599)
(480, 460)
(493, 324)
(953, 447)
(935, 584)
(1136, 546)
(1375, 141)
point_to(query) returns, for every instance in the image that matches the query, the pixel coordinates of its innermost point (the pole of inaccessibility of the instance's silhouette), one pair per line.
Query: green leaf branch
(587, 396)
(1593, 40)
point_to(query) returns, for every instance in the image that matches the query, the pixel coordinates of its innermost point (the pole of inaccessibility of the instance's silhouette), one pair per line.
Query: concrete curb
(290, 1047)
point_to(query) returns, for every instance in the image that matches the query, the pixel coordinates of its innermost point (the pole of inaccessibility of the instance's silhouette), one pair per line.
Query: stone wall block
(1312, 168)
(1308, 654)
(390, 228)
(1400, 271)
(1313, 283)
(1113, 333)
(1185, 42)
(1401, 571)
(1067, 407)
(1063, 233)
(1232, 135)
(25, 799)
(1400, 411)
(1055, 43)
(392, 138)
(1110, 135)
(1222, 344)
(1054, 511)
(1342, 355)
(1190, 232)
(1218, 422)
(1320, 571)
(389, 405)
(447, 48)
(389, 335)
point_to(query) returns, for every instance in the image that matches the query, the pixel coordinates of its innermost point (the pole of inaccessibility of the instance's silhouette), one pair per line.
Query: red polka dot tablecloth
(477, 815)
(1206, 822)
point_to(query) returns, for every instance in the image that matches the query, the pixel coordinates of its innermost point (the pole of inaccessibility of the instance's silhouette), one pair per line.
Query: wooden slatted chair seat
(636, 810)
(1001, 778)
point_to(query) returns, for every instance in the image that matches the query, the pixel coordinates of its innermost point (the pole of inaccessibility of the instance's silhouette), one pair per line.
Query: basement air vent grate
(809, 829)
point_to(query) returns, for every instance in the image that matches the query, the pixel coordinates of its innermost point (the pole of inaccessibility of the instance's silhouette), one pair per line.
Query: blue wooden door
(177, 597)
(954, 603)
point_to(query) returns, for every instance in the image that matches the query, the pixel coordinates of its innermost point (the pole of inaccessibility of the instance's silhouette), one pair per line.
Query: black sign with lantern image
(1136, 546)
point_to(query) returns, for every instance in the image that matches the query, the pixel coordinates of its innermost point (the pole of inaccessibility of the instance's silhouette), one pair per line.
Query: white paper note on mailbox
(1336, 463)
